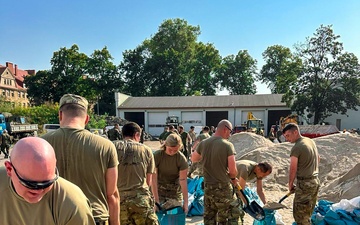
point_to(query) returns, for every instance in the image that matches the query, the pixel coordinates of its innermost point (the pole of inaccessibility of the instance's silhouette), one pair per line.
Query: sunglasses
(35, 185)
(228, 128)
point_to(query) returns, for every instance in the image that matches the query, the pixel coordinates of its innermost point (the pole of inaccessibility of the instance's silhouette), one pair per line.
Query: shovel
(251, 208)
(275, 205)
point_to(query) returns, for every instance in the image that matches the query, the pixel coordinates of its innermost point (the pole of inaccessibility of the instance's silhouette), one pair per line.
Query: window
(18, 94)
(12, 94)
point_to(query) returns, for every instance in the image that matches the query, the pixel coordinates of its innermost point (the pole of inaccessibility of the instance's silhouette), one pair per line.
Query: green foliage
(280, 70)
(96, 121)
(94, 78)
(330, 79)
(47, 113)
(171, 63)
(237, 73)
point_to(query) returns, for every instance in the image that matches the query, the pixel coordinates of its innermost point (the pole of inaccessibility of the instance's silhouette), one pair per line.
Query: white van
(47, 128)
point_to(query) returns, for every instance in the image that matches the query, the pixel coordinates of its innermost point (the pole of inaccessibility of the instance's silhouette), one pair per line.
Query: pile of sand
(339, 165)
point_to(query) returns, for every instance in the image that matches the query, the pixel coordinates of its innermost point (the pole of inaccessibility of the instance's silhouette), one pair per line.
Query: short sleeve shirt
(169, 166)
(306, 152)
(136, 160)
(83, 158)
(245, 169)
(214, 152)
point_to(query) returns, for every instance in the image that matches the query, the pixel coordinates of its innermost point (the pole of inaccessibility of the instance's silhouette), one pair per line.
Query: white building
(199, 110)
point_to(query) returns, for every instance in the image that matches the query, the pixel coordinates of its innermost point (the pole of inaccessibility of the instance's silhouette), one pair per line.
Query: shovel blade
(255, 211)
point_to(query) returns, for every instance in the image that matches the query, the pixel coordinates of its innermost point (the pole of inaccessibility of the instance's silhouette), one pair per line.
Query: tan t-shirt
(64, 204)
(245, 169)
(306, 152)
(169, 166)
(135, 162)
(214, 153)
(83, 158)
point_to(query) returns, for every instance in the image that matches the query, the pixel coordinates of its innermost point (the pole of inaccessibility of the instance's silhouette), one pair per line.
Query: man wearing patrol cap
(88, 160)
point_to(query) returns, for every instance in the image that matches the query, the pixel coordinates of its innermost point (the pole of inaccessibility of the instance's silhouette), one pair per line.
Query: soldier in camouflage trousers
(221, 196)
(136, 167)
(304, 165)
(218, 157)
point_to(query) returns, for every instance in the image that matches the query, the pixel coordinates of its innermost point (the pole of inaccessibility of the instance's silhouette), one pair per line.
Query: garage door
(157, 122)
(189, 119)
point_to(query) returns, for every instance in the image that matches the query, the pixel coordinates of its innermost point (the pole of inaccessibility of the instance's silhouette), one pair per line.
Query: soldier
(162, 135)
(86, 159)
(34, 193)
(5, 144)
(218, 158)
(136, 167)
(185, 138)
(169, 181)
(192, 135)
(304, 165)
(197, 165)
(115, 133)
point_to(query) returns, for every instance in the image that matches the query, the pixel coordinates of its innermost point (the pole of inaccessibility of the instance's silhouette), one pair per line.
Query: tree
(281, 68)
(171, 63)
(105, 80)
(95, 77)
(204, 64)
(40, 87)
(237, 73)
(330, 80)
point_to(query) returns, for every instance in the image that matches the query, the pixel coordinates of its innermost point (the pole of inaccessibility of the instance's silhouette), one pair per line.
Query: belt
(218, 185)
(307, 178)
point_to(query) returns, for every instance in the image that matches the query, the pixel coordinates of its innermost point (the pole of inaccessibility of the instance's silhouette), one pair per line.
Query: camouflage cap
(73, 99)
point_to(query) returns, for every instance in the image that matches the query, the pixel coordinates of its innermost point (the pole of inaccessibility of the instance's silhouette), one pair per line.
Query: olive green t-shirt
(214, 153)
(169, 166)
(245, 169)
(306, 152)
(83, 158)
(64, 204)
(136, 160)
(203, 136)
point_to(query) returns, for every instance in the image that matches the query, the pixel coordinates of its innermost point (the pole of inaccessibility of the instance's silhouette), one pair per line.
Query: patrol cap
(73, 99)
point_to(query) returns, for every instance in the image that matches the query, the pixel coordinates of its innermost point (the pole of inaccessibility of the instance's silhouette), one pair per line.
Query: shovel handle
(287, 195)
(241, 194)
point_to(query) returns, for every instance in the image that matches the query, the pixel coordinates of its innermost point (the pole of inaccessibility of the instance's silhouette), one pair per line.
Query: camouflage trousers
(170, 195)
(197, 168)
(137, 208)
(305, 200)
(220, 205)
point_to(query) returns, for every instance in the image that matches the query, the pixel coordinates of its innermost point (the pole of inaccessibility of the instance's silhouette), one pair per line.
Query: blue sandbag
(174, 216)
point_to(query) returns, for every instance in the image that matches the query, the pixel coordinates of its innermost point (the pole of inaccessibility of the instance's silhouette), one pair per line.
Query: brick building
(12, 87)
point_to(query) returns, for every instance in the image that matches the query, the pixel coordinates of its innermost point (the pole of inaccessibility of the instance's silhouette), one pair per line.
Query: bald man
(31, 192)
(218, 158)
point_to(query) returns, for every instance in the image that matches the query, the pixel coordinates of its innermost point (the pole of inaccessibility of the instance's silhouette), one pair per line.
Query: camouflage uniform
(221, 197)
(114, 134)
(197, 166)
(169, 195)
(137, 207)
(219, 207)
(136, 201)
(5, 143)
(305, 196)
(307, 179)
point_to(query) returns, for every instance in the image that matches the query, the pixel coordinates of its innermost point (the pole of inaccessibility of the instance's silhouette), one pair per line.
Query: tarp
(313, 131)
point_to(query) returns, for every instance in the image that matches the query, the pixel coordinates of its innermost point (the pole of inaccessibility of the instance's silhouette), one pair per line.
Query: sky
(33, 30)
